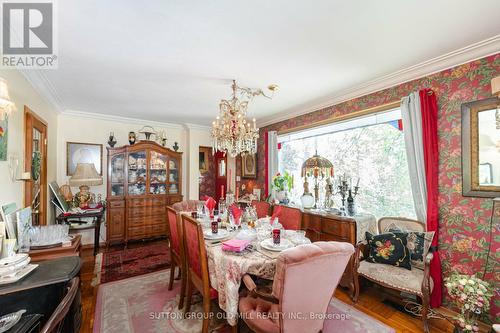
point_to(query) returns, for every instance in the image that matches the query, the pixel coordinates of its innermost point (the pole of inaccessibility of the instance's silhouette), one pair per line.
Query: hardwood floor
(369, 302)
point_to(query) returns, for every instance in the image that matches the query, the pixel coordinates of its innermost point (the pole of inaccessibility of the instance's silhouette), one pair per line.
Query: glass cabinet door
(157, 173)
(173, 176)
(137, 173)
(117, 175)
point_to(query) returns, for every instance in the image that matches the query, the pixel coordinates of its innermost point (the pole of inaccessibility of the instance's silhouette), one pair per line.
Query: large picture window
(371, 148)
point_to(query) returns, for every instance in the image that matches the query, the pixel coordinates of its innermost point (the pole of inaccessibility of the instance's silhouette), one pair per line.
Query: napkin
(236, 211)
(276, 213)
(235, 245)
(210, 203)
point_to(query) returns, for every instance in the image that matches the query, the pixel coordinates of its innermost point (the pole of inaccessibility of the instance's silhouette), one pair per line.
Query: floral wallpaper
(464, 236)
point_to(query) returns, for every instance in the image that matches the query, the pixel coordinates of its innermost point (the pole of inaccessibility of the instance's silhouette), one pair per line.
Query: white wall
(196, 136)
(22, 93)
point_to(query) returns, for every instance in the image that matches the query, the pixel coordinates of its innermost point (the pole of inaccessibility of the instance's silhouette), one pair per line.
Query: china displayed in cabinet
(142, 180)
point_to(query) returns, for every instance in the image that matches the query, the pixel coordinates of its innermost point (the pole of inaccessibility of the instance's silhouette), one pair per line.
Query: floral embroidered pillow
(389, 248)
(418, 243)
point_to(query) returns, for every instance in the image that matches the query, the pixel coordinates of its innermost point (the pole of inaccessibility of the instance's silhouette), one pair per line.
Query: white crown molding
(42, 85)
(127, 120)
(197, 127)
(466, 54)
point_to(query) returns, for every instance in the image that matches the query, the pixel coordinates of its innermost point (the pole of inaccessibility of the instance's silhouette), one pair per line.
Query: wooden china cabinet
(142, 180)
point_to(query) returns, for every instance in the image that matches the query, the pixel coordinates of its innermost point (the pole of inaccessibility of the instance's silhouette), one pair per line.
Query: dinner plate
(269, 245)
(223, 233)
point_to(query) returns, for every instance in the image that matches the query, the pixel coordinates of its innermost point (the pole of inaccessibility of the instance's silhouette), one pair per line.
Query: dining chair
(56, 321)
(176, 252)
(304, 282)
(262, 207)
(290, 218)
(186, 205)
(197, 267)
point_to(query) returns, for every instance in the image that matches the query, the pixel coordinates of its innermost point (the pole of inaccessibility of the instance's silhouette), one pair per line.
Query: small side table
(65, 218)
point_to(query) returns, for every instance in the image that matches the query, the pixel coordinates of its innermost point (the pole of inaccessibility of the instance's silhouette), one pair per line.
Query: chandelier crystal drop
(231, 131)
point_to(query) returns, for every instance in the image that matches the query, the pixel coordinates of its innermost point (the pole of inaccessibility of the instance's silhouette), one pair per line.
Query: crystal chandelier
(231, 131)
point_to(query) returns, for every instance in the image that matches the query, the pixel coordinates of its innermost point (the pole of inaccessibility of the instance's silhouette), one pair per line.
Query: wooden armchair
(415, 281)
(177, 252)
(56, 320)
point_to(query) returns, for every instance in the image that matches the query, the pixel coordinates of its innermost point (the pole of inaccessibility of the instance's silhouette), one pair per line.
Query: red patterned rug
(120, 264)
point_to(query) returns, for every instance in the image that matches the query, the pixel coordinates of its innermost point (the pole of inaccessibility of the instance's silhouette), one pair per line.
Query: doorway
(220, 175)
(35, 161)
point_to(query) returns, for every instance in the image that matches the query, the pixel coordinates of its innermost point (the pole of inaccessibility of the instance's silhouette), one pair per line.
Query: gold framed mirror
(481, 148)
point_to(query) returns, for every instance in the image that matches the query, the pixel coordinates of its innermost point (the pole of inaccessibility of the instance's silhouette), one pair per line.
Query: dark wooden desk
(42, 290)
(66, 218)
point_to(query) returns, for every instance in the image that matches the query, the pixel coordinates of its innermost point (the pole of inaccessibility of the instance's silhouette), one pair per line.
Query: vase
(131, 138)
(307, 200)
(281, 196)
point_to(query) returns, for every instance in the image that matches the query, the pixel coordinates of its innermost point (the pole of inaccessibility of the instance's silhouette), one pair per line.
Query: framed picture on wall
(204, 159)
(77, 152)
(249, 166)
(4, 126)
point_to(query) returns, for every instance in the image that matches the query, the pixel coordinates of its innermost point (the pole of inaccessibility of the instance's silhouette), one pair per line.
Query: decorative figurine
(176, 146)
(111, 140)
(161, 138)
(329, 194)
(131, 137)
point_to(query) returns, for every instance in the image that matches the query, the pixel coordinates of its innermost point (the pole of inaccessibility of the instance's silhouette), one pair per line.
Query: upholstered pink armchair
(262, 208)
(186, 205)
(305, 280)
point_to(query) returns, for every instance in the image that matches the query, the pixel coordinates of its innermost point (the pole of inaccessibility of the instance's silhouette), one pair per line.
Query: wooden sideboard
(143, 179)
(322, 226)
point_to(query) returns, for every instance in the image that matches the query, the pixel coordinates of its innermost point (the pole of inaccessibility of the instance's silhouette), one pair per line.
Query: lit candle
(237, 192)
(222, 191)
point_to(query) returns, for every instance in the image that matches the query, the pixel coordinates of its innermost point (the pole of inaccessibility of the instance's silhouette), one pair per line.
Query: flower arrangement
(282, 182)
(472, 296)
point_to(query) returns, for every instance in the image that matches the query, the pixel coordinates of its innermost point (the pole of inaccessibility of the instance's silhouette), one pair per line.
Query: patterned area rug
(125, 263)
(143, 304)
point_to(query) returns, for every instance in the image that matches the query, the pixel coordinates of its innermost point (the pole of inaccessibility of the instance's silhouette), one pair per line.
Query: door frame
(32, 120)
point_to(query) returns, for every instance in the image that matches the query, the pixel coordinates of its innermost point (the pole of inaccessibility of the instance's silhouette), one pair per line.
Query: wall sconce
(6, 105)
(14, 164)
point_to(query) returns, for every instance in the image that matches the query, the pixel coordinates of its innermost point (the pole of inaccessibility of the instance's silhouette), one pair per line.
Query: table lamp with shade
(318, 168)
(85, 175)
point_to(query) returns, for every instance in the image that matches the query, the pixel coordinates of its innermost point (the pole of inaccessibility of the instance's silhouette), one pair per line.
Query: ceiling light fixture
(231, 131)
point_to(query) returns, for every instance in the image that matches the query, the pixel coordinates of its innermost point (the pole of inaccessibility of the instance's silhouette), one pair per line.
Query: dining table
(227, 268)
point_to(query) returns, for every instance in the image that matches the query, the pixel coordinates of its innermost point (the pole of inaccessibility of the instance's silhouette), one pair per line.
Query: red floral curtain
(429, 111)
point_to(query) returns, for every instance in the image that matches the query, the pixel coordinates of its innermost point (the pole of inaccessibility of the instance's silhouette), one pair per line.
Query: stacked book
(14, 268)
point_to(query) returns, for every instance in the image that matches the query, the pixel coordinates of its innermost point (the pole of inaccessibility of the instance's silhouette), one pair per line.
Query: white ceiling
(172, 61)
